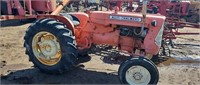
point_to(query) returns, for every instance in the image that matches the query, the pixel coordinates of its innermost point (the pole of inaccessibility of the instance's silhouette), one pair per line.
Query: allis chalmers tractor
(55, 39)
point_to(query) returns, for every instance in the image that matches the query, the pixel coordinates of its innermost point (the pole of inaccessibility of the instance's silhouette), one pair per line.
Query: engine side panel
(104, 28)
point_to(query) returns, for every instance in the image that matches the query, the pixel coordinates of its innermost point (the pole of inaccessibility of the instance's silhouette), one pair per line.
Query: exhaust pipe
(144, 13)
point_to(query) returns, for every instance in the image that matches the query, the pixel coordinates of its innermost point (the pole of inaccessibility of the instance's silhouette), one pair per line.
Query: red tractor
(54, 41)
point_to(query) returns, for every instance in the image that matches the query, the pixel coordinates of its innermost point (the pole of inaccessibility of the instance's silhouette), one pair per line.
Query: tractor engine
(132, 31)
(129, 39)
(123, 30)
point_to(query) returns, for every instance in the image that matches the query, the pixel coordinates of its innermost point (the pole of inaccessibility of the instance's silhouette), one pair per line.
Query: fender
(83, 18)
(62, 19)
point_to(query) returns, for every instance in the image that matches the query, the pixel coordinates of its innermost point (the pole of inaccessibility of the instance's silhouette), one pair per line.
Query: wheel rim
(46, 48)
(138, 75)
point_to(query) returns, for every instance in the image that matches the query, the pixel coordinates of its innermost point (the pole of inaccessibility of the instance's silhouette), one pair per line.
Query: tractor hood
(124, 18)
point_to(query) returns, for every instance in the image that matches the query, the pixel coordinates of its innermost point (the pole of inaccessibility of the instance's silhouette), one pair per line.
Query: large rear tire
(50, 46)
(138, 71)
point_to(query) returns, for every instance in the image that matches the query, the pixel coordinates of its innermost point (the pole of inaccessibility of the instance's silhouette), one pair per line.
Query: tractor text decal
(125, 18)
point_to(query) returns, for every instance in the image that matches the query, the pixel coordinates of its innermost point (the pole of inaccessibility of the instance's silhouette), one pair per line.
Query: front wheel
(138, 71)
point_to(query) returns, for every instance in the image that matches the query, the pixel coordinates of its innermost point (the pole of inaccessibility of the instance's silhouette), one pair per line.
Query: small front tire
(138, 71)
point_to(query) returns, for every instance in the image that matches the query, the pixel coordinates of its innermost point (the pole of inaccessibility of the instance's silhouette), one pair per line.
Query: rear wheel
(138, 71)
(50, 46)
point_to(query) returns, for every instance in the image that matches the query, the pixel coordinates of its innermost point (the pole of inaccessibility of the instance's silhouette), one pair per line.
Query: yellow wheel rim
(46, 48)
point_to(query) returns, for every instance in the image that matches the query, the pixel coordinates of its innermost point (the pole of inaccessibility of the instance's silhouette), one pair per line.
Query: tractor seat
(74, 20)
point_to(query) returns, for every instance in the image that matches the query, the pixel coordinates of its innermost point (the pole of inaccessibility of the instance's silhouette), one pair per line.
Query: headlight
(154, 23)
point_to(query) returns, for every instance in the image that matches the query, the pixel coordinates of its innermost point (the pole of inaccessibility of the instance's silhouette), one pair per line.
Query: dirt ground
(182, 69)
